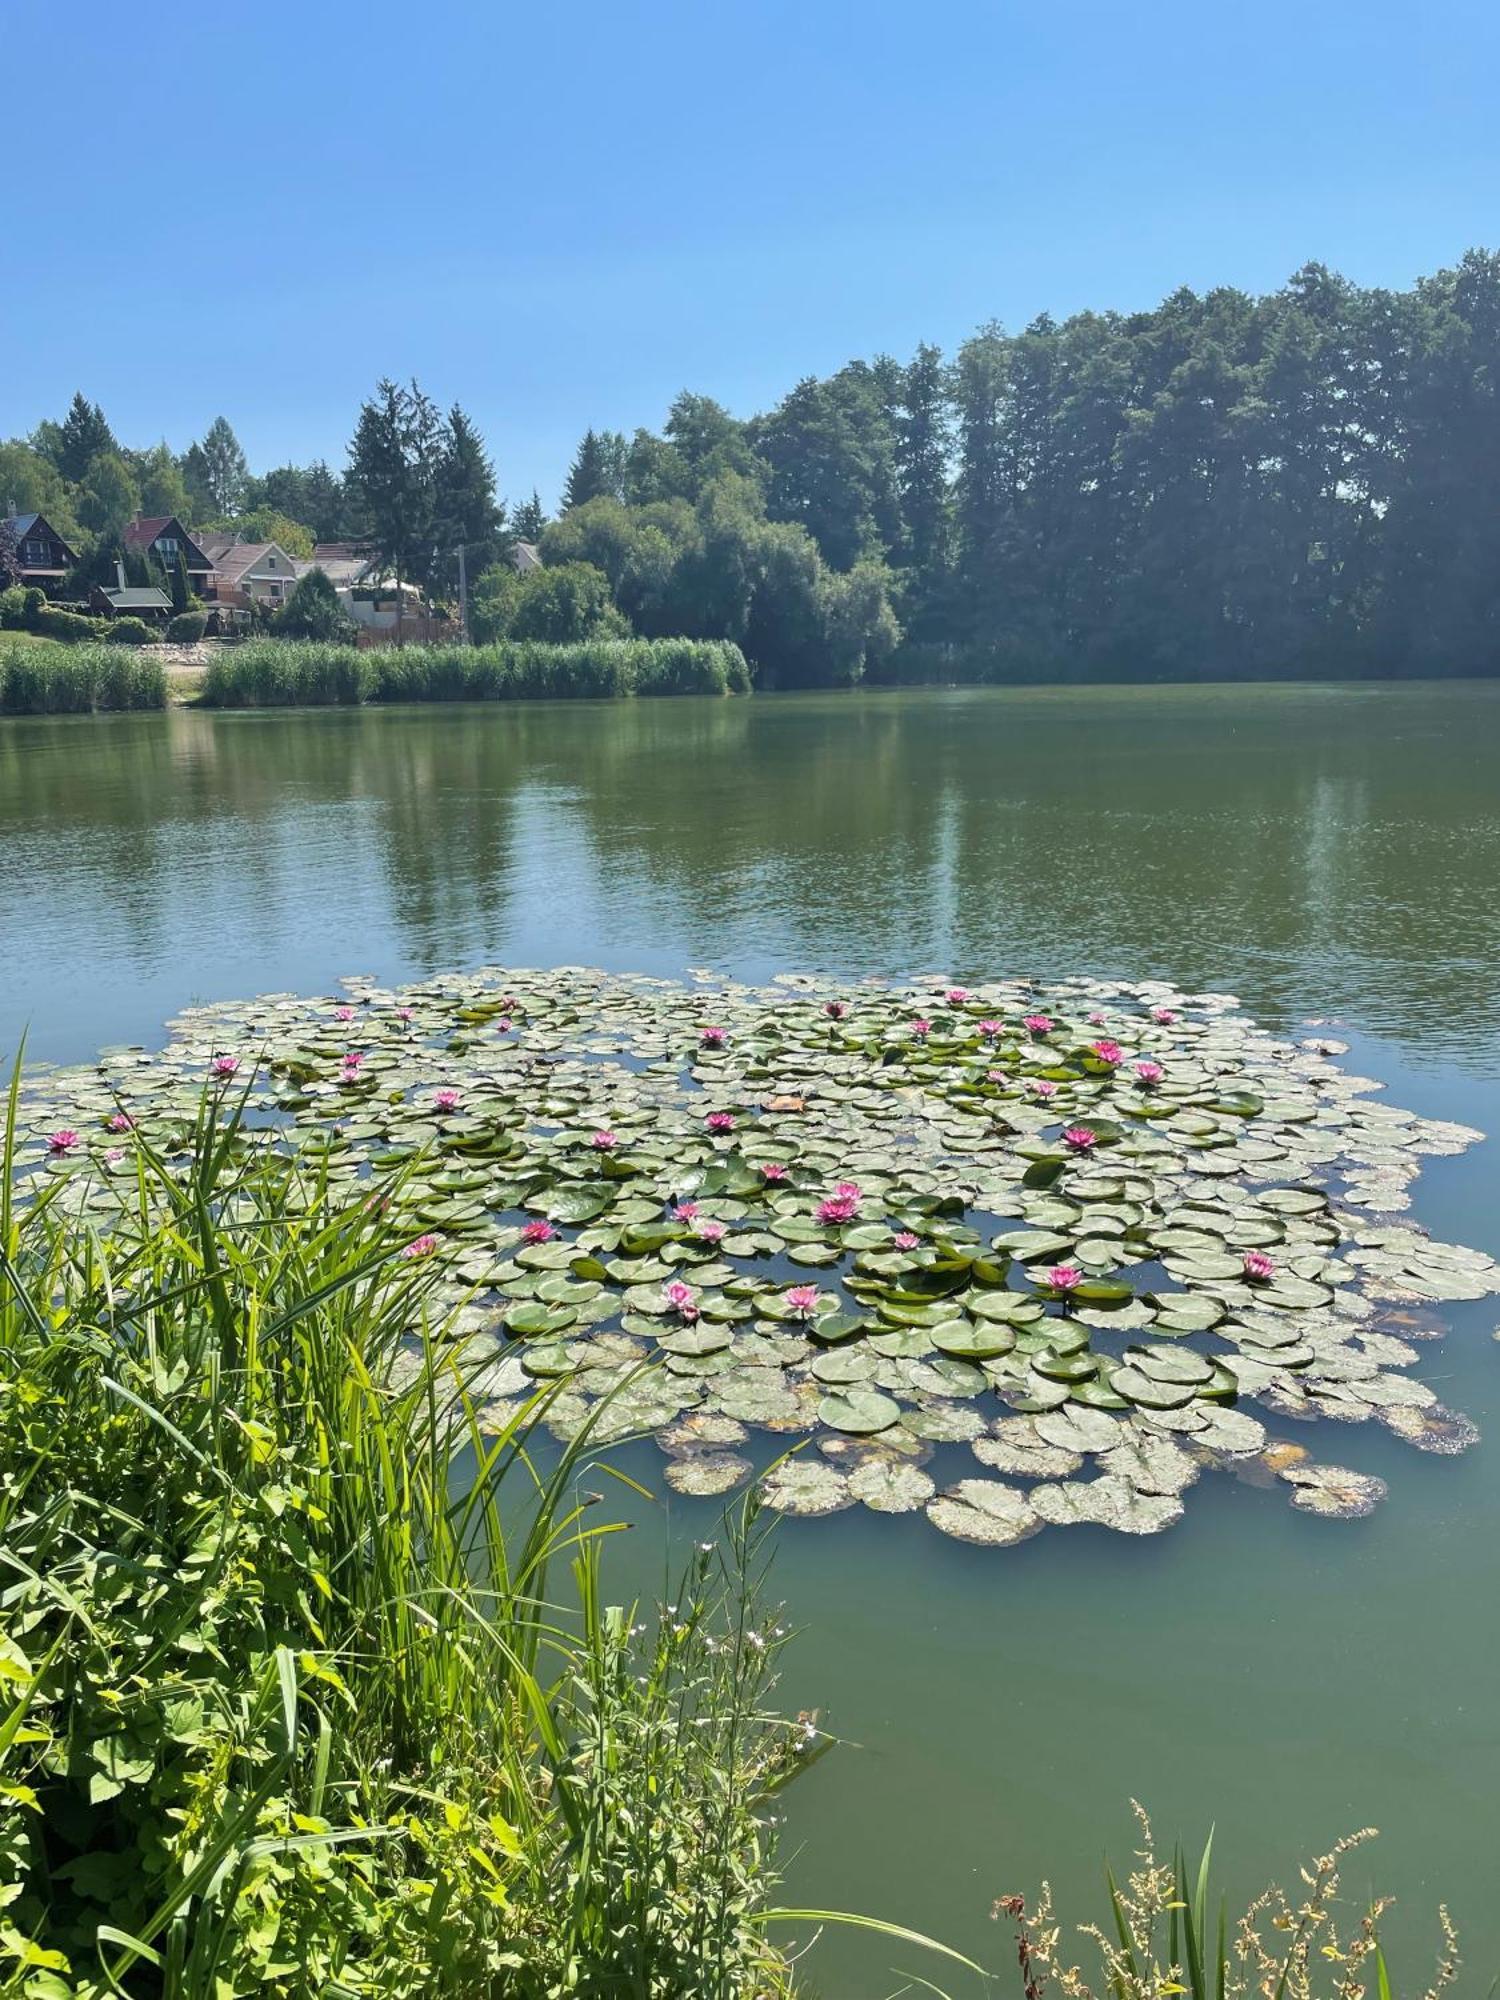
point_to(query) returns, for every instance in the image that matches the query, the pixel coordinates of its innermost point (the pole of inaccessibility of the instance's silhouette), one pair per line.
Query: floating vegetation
(1065, 1235)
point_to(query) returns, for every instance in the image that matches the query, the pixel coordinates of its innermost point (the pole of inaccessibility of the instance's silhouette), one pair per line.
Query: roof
(526, 555)
(23, 524)
(237, 560)
(138, 597)
(343, 563)
(144, 529)
(214, 546)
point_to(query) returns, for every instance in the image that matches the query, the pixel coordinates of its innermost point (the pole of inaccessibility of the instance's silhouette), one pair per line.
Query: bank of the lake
(1321, 851)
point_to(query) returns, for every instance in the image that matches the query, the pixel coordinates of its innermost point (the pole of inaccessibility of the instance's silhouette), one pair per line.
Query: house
(44, 556)
(525, 556)
(162, 538)
(125, 600)
(248, 573)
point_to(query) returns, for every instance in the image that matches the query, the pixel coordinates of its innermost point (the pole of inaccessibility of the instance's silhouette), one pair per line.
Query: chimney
(120, 572)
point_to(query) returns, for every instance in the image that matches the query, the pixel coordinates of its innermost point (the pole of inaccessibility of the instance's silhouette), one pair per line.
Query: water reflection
(1333, 849)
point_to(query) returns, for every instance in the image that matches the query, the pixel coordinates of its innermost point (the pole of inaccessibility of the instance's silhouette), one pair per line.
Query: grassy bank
(74, 680)
(291, 673)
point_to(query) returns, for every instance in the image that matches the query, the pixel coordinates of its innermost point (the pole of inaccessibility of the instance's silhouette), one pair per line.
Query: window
(34, 553)
(166, 545)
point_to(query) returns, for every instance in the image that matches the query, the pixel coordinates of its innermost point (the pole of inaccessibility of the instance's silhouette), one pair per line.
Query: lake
(1326, 853)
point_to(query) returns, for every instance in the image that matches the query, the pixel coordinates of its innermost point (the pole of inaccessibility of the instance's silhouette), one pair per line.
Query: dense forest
(1225, 486)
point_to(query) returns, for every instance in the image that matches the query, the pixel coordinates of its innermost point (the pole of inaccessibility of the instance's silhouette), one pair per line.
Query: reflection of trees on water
(1306, 848)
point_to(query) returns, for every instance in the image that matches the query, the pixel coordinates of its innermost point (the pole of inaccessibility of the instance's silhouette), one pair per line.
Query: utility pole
(463, 591)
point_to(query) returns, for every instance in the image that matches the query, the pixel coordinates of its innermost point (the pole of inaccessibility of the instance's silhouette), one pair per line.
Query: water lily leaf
(890, 1486)
(986, 1511)
(860, 1410)
(805, 1486)
(707, 1472)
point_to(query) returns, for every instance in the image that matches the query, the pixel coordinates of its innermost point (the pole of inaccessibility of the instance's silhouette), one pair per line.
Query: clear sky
(561, 215)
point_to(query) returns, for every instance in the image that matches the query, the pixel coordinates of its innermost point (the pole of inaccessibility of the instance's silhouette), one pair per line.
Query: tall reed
(302, 673)
(74, 680)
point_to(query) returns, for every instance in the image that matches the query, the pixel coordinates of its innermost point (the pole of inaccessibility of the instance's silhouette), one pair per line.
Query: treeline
(1307, 482)
(1226, 486)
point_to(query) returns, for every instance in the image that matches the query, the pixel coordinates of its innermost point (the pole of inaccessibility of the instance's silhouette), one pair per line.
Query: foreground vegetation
(1165, 1933)
(283, 672)
(297, 1699)
(73, 680)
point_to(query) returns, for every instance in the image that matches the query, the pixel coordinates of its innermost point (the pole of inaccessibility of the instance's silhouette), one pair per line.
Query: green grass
(287, 672)
(46, 678)
(309, 1682)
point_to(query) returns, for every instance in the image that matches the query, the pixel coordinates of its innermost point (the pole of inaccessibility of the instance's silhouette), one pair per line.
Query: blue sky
(562, 215)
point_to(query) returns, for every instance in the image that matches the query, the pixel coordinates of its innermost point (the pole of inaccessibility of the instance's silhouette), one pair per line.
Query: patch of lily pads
(1080, 1241)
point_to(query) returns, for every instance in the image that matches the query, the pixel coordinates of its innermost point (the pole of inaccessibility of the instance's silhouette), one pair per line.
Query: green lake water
(1328, 853)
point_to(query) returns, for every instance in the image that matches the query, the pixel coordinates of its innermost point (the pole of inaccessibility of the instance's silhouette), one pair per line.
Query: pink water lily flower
(420, 1246)
(1097, 1018)
(113, 1155)
(836, 1208)
(1038, 1024)
(713, 1038)
(121, 1121)
(773, 1170)
(1064, 1277)
(1108, 1052)
(905, 1240)
(537, 1232)
(835, 1009)
(405, 1013)
(604, 1141)
(956, 996)
(353, 1059)
(1080, 1138)
(684, 1211)
(1148, 1073)
(921, 1029)
(681, 1299)
(225, 1065)
(1164, 1017)
(447, 1100)
(63, 1141)
(1259, 1268)
(711, 1232)
(1042, 1087)
(720, 1121)
(802, 1301)
(990, 1029)
(343, 1013)
(504, 1025)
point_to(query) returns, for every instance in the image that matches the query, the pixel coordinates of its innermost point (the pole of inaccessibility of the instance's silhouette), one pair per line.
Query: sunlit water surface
(1328, 853)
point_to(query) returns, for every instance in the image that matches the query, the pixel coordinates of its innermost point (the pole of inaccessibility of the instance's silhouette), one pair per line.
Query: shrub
(45, 680)
(130, 632)
(53, 622)
(291, 672)
(12, 607)
(313, 610)
(187, 627)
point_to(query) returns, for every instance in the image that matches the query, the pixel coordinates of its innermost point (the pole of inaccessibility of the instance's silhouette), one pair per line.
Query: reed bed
(296, 673)
(77, 680)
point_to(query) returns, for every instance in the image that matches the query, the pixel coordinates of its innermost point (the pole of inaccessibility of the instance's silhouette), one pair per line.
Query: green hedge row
(286, 672)
(48, 680)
